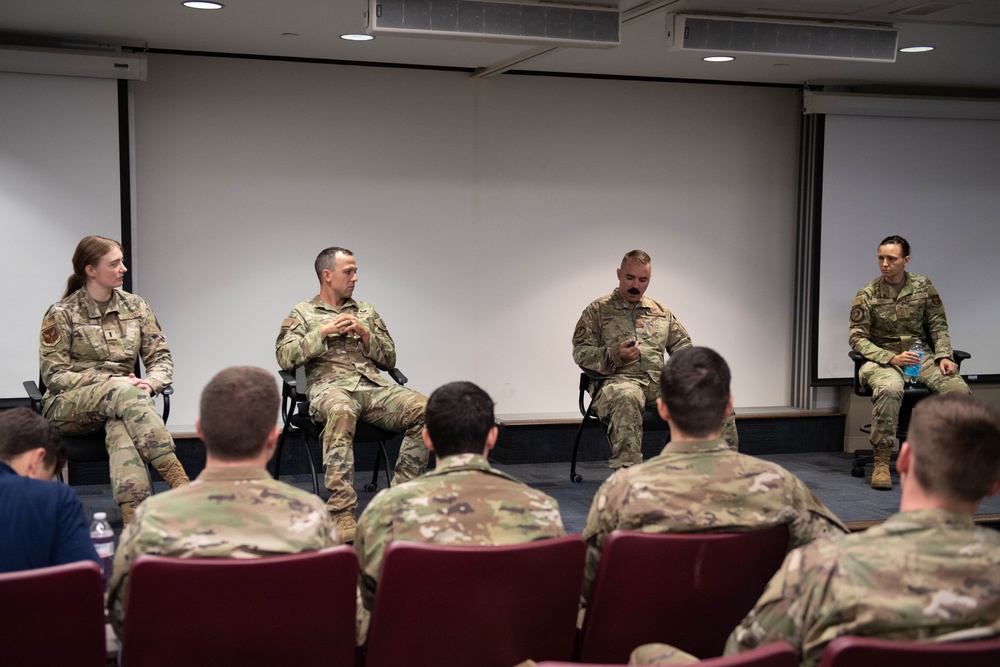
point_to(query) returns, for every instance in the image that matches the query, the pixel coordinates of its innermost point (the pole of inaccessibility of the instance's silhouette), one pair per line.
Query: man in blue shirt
(42, 522)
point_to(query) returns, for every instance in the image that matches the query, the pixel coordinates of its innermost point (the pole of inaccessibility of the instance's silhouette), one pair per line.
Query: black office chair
(912, 394)
(651, 420)
(295, 413)
(90, 447)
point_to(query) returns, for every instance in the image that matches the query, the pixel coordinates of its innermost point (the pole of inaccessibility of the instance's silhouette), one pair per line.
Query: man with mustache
(624, 336)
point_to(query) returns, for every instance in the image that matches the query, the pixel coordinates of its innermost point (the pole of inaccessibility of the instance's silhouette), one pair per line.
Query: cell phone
(631, 343)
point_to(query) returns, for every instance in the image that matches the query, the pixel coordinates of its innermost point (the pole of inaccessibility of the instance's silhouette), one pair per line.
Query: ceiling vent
(778, 37)
(496, 21)
(95, 64)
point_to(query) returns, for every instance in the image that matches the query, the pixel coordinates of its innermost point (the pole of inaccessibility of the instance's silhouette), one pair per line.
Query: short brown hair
(955, 440)
(88, 252)
(239, 408)
(694, 383)
(636, 256)
(327, 260)
(22, 430)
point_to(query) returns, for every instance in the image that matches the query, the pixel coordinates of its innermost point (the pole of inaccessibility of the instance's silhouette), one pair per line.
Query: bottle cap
(100, 516)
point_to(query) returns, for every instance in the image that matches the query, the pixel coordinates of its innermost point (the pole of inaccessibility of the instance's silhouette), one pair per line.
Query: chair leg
(312, 466)
(573, 476)
(373, 485)
(385, 463)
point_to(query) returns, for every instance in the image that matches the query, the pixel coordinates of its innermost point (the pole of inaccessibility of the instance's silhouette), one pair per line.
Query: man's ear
(491, 439)
(904, 462)
(427, 439)
(661, 408)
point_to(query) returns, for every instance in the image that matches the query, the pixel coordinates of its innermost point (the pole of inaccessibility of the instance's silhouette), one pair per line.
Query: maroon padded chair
(281, 610)
(688, 590)
(494, 606)
(778, 654)
(864, 651)
(53, 616)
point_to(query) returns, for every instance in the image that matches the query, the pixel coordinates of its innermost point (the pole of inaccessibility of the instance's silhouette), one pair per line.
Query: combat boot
(172, 472)
(345, 525)
(128, 512)
(880, 470)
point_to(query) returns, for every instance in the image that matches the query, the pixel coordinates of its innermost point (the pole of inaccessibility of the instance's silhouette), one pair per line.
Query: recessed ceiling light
(718, 59)
(289, 34)
(355, 37)
(203, 5)
(916, 49)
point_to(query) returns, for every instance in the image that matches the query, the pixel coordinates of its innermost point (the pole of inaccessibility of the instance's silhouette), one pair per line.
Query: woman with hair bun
(89, 345)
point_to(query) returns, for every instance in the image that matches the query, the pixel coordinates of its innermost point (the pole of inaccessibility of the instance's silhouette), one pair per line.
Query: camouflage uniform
(463, 502)
(632, 386)
(884, 324)
(344, 384)
(920, 575)
(703, 486)
(80, 352)
(227, 512)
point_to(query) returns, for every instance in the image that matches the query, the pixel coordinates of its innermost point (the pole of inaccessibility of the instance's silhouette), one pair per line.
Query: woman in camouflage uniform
(90, 342)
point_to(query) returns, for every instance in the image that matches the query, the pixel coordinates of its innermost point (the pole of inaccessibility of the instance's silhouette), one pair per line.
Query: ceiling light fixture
(203, 5)
(357, 37)
(916, 49)
(718, 59)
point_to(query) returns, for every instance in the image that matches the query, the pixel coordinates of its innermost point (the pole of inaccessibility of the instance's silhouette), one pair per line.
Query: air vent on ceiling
(496, 21)
(802, 39)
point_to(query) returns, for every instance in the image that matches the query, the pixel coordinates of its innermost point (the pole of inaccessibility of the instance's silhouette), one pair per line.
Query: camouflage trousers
(620, 404)
(134, 432)
(392, 408)
(886, 383)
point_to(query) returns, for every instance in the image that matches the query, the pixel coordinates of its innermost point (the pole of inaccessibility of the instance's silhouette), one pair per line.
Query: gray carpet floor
(826, 473)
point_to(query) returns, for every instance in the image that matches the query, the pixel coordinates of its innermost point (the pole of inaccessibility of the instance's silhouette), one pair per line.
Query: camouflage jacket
(463, 502)
(78, 346)
(703, 486)
(610, 320)
(336, 360)
(918, 576)
(237, 512)
(883, 324)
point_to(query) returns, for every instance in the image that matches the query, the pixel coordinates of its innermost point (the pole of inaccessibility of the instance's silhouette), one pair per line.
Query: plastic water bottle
(912, 372)
(104, 543)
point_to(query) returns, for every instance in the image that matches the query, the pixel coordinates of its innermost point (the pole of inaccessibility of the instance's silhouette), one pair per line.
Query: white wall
(484, 215)
(59, 182)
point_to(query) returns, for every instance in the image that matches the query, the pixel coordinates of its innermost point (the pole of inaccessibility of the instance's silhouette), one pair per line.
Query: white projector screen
(59, 181)
(935, 182)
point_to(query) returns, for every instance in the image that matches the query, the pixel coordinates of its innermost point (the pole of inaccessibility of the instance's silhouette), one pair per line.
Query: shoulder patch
(857, 314)
(50, 333)
(287, 323)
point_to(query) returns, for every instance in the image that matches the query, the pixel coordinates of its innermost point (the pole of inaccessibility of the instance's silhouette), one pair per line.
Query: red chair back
(53, 616)
(863, 651)
(438, 606)
(778, 654)
(280, 610)
(689, 590)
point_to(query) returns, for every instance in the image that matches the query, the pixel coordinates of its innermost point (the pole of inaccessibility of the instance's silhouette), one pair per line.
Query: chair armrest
(168, 390)
(398, 376)
(166, 393)
(960, 356)
(588, 378)
(593, 375)
(34, 394)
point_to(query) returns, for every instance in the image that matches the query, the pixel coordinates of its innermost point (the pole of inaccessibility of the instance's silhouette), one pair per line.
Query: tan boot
(172, 472)
(128, 513)
(880, 477)
(345, 525)
(880, 469)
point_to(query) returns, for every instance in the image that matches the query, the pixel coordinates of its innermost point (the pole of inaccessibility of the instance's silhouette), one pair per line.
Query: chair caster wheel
(576, 478)
(369, 487)
(857, 472)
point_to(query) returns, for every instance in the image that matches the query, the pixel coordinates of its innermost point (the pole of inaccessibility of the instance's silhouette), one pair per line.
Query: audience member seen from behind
(624, 336)
(344, 345)
(233, 509)
(88, 348)
(928, 573)
(42, 523)
(495, 508)
(888, 316)
(697, 483)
